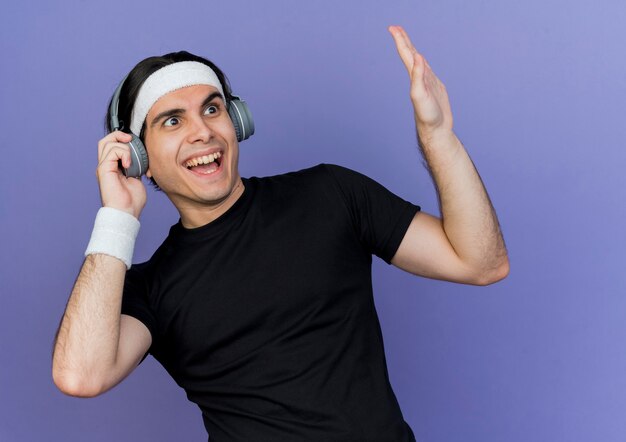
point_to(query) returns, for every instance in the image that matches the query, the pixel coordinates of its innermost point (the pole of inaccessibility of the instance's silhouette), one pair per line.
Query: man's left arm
(465, 245)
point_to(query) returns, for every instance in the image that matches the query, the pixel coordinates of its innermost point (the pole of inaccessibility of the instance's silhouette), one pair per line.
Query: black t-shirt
(266, 315)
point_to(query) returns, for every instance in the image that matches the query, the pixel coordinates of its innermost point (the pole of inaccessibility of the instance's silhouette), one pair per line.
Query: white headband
(167, 79)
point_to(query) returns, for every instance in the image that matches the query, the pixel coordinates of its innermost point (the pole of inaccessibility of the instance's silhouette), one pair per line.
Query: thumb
(419, 66)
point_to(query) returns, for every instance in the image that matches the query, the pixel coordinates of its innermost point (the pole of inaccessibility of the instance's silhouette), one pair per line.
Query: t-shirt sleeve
(135, 302)
(380, 217)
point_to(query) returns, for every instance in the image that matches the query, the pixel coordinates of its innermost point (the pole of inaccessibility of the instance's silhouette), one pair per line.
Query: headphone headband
(114, 107)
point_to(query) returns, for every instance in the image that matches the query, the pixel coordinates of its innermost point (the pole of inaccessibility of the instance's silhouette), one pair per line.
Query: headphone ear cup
(241, 118)
(138, 158)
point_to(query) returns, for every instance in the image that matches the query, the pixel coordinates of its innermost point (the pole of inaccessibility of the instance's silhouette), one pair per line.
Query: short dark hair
(138, 76)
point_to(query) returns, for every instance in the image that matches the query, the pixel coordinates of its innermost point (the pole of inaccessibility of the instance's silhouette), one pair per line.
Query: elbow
(73, 385)
(494, 275)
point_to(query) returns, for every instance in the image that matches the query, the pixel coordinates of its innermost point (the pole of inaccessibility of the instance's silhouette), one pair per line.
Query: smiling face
(193, 153)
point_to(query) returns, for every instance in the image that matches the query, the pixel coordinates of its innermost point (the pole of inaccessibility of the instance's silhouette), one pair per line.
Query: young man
(259, 302)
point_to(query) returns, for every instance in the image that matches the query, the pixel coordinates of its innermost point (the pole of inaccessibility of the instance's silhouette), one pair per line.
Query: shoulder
(314, 187)
(307, 178)
(305, 173)
(323, 172)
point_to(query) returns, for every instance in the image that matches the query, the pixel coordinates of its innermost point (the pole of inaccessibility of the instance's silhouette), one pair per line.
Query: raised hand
(428, 93)
(116, 190)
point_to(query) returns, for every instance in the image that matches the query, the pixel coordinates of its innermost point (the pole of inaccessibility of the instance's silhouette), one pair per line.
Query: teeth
(206, 159)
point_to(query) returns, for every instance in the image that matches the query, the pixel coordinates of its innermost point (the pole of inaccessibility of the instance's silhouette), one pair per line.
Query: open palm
(428, 93)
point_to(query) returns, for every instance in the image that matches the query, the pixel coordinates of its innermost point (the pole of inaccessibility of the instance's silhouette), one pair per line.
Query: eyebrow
(178, 111)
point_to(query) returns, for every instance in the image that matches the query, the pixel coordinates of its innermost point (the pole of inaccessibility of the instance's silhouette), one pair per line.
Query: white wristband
(114, 234)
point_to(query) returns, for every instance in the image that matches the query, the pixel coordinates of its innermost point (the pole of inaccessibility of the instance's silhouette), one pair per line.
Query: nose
(199, 130)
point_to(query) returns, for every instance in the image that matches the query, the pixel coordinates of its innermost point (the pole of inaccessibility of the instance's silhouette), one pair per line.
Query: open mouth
(206, 164)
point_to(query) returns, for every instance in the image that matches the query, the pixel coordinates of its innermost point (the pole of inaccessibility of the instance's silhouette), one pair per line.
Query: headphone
(237, 110)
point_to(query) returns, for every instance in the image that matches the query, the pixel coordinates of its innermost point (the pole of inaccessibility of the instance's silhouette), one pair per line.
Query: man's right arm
(96, 346)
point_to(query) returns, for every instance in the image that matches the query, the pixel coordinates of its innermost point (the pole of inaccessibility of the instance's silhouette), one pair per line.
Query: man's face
(183, 128)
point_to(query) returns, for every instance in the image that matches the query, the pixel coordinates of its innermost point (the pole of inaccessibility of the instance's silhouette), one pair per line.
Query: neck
(192, 217)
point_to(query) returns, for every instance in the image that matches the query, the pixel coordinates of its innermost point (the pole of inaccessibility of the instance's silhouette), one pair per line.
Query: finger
(428, 73)
(407, 41)
(405, 37)
(115, 136)
(418, 65)
(431, 77)
(120, 148)
(419, 83)
(413, 60)
(409, 44)
(112, 162)
(112, 153)
(108, 145)
(405, 52)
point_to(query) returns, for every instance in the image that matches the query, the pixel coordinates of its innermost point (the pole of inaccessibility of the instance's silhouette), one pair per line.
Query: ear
(148, 173)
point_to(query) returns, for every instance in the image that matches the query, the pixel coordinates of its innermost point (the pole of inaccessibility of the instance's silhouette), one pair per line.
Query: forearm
(469, 219)
(88, 336)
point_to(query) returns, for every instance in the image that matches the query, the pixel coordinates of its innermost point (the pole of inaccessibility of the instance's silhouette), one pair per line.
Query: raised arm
(95, 346)
(466, 244)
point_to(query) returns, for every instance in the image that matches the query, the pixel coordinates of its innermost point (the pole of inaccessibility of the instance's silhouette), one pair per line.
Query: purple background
(537, 91)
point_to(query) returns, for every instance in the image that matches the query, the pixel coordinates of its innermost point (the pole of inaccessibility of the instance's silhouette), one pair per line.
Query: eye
(172, 121)
(211, 109)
